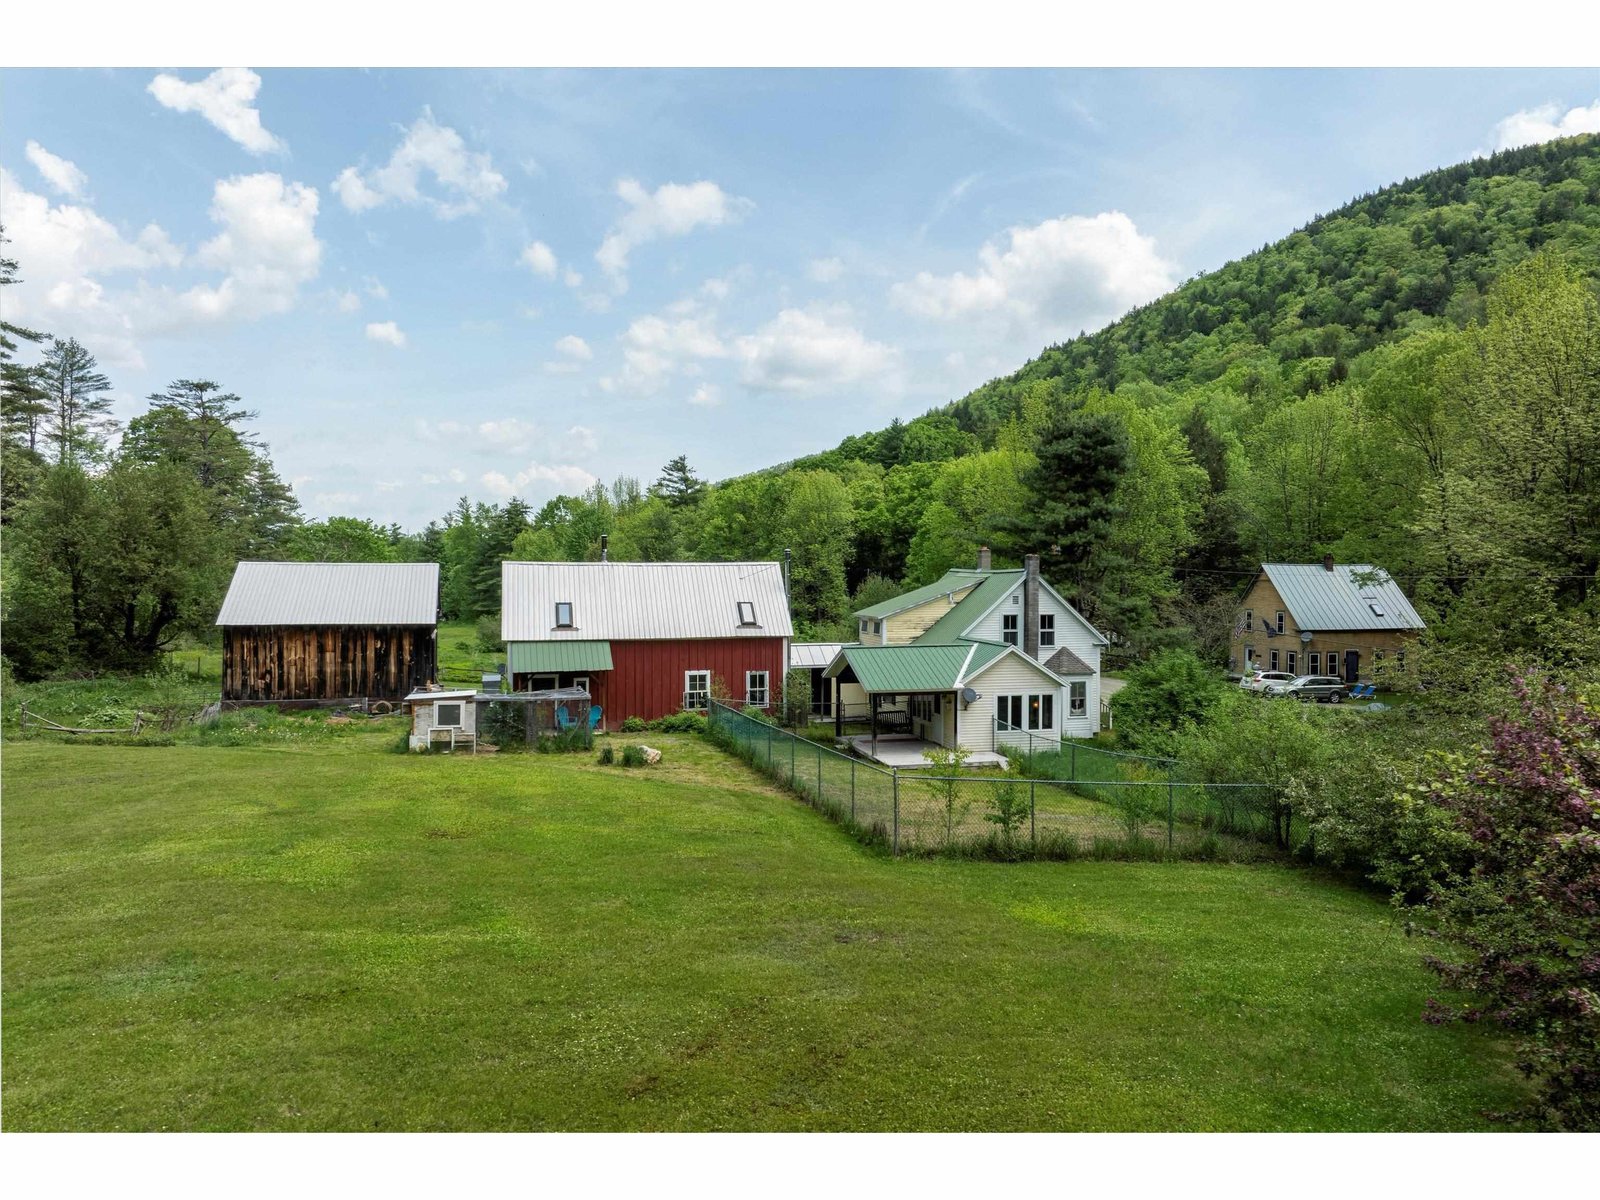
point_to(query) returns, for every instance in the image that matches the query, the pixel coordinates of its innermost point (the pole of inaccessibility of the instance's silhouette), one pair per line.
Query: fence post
(769, 747)
(1074, 771)
(1033, 817)
(819, 777)
(852, 791)
(1169, 816)
(791, 759)
(895, 775)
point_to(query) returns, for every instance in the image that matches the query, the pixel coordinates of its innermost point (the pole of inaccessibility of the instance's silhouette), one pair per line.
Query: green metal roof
(905, 668)
(978, 601)
(952, 581)
(553, 658)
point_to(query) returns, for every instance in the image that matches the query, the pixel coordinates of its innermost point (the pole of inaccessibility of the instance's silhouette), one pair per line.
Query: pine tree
(679, 486)
(79, 421)
(23, 405)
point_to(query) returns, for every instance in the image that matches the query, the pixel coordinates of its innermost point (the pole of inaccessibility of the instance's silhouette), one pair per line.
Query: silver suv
(1260, 681)
(1307, 688)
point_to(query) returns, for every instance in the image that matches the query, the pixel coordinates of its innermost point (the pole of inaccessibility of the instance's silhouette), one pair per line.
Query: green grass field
(328, 935)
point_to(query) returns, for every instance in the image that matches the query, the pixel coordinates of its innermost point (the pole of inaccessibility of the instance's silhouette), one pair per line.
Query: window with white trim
(1047, 629)
(1274, 660)
(1280, 620)
(563, 614)
(1316, 662)
(1290, 658)
(1249, 621)
(447, 715)
(1008, 628)
(1008, 712)
(1042, 711)
(1077, 697)
(696, 689)
(756, 694)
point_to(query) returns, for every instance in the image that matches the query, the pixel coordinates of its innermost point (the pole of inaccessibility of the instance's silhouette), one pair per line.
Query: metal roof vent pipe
(787, 561)
(1030, 606)
(605, 540)
(1327, 562)
(983, 558)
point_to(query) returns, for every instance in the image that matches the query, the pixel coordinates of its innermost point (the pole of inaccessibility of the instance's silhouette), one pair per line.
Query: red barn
(647, 639)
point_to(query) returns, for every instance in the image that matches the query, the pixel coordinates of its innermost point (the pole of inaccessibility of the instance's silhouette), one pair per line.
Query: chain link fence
(1011, 814)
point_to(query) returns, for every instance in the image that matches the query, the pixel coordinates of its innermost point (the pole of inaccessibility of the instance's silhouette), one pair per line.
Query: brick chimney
(1030, 606)
(983, 558)
(1327, 562)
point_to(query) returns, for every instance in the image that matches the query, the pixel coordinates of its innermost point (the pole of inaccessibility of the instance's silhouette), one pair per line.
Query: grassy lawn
(332, 936)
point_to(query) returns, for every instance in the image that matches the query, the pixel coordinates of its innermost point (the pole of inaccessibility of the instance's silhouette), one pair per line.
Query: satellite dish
(968, 695)
(1305, 637)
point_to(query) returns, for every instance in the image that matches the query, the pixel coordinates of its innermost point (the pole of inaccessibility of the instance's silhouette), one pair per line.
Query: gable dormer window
(563, 614)
(747, 613)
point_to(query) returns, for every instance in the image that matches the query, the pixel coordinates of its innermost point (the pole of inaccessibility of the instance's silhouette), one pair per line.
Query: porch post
(873, 705)
(838, 717)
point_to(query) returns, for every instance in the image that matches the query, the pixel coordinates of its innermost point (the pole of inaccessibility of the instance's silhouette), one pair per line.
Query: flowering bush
(1527, 909)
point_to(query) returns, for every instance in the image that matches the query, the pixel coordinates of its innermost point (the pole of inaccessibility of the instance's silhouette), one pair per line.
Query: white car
(1259, 681)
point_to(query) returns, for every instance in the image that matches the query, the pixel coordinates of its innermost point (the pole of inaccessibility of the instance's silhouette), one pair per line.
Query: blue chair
(594, 716)
(563, 718)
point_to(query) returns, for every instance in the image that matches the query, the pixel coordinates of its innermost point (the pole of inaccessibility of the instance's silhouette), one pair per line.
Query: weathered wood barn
(299, 633)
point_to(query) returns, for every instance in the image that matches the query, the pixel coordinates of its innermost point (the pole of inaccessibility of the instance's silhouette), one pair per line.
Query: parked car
(1306, 688)
(1258, 681)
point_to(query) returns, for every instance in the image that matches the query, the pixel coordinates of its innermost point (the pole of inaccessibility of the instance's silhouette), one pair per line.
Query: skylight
(747, 613)
(564, 614)
(1377, 609)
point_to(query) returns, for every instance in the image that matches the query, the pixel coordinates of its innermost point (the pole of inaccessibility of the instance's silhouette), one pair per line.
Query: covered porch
(904, 751)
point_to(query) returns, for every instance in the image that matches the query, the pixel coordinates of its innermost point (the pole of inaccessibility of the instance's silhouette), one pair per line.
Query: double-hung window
(1316, 662)
(755, 689)
(1047, 629)
(1280, 620)
(696, 689)
(1274, 660)
(1008, 712)
(1042, 711)
(1249, 621)
(563, 614)
(1077, 698)
(1008, 629)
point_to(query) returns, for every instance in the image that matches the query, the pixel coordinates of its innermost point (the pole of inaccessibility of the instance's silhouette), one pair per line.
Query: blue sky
(436, 283)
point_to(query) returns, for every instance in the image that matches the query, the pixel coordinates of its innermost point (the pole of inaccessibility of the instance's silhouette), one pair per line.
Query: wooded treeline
(1411, 381)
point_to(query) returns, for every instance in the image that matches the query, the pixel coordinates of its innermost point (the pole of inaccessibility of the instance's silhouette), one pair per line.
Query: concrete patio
(904, 752)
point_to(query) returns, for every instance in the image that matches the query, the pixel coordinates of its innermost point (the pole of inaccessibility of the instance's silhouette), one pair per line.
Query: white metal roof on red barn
(622, 601)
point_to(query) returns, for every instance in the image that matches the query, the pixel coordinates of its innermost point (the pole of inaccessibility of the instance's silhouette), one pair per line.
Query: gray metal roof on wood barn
(1351, 596)
(302, 593)
(623, 601)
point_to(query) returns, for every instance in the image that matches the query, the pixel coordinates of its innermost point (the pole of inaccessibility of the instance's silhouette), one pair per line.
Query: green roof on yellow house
(916, 668)
(950, 581)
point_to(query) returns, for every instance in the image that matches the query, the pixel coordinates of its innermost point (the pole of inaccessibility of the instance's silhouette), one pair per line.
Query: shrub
(608, 755)
(503, 724)
(1008, 812)
(757, 714)
(1527, 912)
(797, 698)
(565, 741)
(1172, 691)
(486, 633)
(633, 756)
(634, 725)
(683, 722)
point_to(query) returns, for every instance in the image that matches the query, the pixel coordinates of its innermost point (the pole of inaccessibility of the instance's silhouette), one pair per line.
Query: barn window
(696, 689)
(747, 613)
(447, 716)
(563, 614)
(755, 689)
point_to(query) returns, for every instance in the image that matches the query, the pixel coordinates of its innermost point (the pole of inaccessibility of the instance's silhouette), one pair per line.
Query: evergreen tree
(23, 405)
(679, 486)
(79, 421)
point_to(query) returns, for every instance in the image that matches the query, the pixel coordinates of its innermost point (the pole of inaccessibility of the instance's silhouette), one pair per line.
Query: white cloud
(825, 270)
(571, 278)
(707, 395)
(467, 178)
(574, 346)
(672, 210)
(60, 174)
(226, 98)
(540, 259)
(268, 247)
(454, 475)
(499, 435)
(581, 440)
(655, 347)
(802, 351)
(386, 331)
(542, 479)
(348, 302)
(64, 249)
(375, 288)
(1531, 126)
(1057, 277)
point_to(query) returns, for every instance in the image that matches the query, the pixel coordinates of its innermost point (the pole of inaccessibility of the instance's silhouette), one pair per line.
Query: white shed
(449, 717)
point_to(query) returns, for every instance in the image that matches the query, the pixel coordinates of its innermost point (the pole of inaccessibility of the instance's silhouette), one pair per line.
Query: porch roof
(907, 670)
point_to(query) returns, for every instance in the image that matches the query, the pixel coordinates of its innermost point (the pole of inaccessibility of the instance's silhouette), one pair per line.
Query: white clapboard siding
(1011, 674)
(1071, 634)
